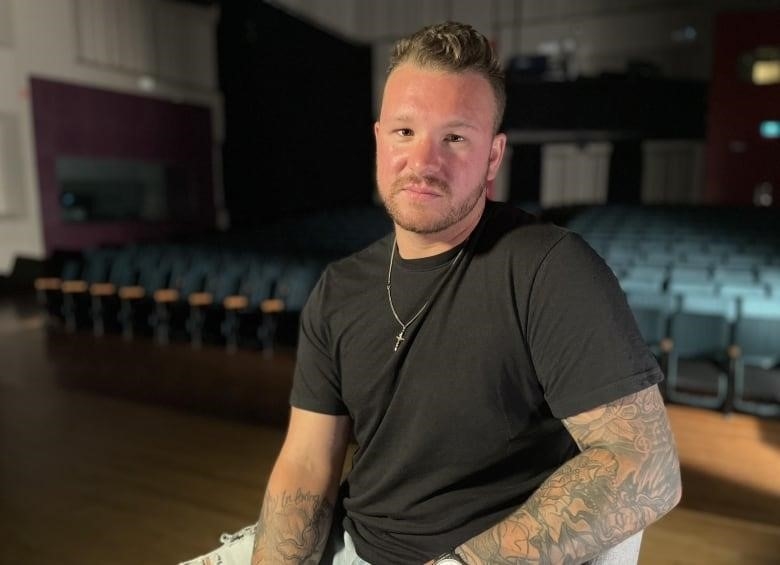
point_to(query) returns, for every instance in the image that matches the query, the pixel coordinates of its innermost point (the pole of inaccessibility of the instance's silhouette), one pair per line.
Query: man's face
(436, 149)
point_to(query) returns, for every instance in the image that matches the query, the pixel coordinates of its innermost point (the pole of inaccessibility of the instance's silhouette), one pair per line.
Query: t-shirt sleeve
(316, 383)
(584, 341)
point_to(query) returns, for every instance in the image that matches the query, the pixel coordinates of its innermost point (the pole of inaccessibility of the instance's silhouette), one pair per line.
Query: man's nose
(425, 156)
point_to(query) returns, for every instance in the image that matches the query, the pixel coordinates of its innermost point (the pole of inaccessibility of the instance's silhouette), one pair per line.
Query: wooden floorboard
(134, 453)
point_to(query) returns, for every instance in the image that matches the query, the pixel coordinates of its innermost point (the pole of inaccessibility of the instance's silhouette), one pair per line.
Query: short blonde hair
(456, 48)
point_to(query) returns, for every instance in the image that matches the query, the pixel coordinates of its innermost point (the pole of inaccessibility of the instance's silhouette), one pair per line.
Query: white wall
(153, 47)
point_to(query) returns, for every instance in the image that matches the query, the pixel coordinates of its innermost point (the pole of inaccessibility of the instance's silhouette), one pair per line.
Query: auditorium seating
(238, 289)
(183, 293)
(704, 286)
(703, 283)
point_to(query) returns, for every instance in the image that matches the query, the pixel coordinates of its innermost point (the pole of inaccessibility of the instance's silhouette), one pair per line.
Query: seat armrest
(48, 283)
(102, 289)
(200, 299)
(166, 295)
(132, 292)
(74, 287)
(235, 302)
(272, 305)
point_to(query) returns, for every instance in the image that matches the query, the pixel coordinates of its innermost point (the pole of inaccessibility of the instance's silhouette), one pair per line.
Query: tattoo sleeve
(293, 528)
(626, 477)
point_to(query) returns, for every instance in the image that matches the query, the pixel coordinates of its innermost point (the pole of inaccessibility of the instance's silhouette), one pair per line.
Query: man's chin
(420, 224)
(413, 218)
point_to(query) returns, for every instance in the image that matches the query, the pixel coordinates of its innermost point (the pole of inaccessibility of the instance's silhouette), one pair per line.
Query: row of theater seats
(704, 286)
(187, 292)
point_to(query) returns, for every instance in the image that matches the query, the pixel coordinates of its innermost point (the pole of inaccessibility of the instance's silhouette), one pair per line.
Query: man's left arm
(626, 477)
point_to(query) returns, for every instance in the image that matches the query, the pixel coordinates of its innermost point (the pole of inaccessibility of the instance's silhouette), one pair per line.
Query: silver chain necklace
(400, 337)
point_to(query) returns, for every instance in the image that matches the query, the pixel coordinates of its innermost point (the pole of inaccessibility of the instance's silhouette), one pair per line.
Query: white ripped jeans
(236, 549)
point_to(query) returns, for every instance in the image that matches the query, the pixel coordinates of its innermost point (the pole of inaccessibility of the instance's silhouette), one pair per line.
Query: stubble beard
(414, 217)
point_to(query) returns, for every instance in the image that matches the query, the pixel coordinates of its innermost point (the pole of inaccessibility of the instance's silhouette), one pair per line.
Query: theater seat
(75, 292)
(699, 338)
(243, 309)
(136, 303)
(171, 309)
(290, 293)
(756, 357)
(206, 306)
(105, 294)
(48, 289)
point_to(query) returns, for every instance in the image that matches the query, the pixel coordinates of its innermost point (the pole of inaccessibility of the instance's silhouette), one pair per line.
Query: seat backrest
(701, 335)
(154, 273)
(743, 289)
(96, 265)
(226, 279)
(757, 331)
(295, 284)
(702, 288)
(124, 268)
(724, 274)
(725, 306)
(260, 280)
(651, 312)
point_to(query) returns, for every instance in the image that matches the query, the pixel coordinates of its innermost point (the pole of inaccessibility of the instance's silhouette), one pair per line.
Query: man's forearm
(575, 515)
(293, 527)
(595, 500)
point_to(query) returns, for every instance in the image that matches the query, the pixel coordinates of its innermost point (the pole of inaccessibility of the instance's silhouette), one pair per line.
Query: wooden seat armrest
(235, 302)
(102, 289)
(74, 287)
(200, 299)
(667, 345)
(48, 283)
(272, 305)
(166, 295)
(132, 292)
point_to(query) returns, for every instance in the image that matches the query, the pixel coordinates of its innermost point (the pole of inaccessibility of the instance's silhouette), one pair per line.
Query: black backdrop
(298, 117)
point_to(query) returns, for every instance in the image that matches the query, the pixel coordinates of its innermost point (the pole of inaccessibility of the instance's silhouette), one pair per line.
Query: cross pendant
(398, 339)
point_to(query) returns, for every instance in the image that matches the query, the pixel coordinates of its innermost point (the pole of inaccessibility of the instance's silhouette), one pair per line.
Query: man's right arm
(298, 506)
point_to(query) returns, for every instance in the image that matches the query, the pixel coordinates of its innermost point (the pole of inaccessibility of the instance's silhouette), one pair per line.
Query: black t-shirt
(458, 427)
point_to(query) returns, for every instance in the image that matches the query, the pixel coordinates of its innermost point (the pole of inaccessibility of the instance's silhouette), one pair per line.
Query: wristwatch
(449, 558)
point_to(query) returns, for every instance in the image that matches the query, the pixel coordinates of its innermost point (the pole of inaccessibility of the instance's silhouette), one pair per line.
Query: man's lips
(421, 190)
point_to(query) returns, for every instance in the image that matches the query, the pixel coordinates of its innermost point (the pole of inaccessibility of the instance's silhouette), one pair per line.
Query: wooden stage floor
(115, 452)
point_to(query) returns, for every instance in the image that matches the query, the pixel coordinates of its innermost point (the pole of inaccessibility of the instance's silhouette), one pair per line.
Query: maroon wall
(78, 121)
(738, 159)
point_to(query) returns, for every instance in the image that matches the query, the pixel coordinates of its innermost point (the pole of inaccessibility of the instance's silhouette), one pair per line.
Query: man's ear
(496, 155)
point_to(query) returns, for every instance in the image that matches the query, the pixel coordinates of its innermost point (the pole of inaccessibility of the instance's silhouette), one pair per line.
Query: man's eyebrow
(460, 124)
(457, 123)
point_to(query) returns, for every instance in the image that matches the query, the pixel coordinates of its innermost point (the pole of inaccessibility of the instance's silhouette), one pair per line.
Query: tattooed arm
(626, 477)
(298, 506)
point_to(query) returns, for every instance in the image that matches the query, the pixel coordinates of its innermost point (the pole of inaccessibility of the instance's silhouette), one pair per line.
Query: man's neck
(417, 245)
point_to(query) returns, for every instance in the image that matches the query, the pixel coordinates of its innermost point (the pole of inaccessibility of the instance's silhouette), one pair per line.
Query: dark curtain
(298, 118)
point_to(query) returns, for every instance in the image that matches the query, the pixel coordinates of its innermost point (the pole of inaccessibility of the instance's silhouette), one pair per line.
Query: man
(502, 401)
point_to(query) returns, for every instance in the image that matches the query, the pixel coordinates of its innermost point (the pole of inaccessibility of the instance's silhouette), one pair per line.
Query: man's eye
(404, 132)
(453, 137)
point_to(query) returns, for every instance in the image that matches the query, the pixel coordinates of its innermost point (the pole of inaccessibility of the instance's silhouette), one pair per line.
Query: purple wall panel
(78, 121)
